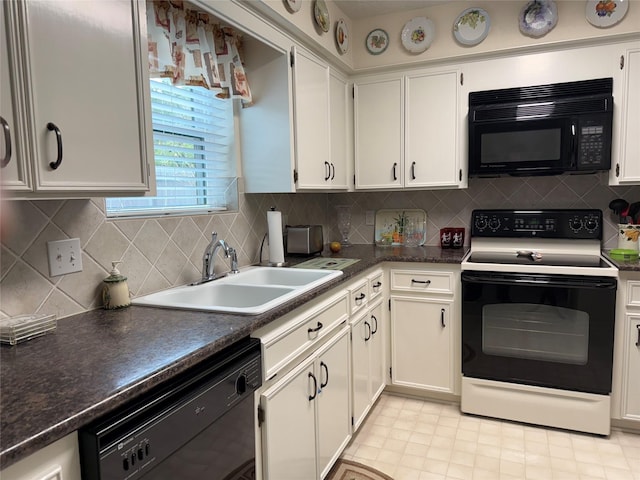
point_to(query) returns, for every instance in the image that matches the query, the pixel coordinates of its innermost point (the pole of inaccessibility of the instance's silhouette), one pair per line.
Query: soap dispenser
(115, 293)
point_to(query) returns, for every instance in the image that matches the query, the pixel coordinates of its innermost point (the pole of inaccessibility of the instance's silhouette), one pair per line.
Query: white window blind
(193, 149)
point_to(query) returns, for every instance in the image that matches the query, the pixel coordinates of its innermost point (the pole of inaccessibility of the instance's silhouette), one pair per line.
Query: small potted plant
(399, 229)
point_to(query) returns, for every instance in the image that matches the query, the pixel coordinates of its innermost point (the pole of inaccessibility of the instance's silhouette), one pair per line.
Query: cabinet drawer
(307, 329)
(358, 296)
(376, 284)
(422, 281)
(633, 293)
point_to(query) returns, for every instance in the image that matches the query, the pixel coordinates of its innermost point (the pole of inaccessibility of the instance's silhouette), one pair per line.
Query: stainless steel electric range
(538, 314)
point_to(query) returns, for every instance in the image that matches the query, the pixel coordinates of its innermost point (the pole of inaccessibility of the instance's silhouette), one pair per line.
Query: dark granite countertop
(98, 360)
(622, 265)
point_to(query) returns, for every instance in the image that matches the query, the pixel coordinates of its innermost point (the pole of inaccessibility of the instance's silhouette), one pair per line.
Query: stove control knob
(481, 223)
(494, 223)
(575, 224)
(592, 223)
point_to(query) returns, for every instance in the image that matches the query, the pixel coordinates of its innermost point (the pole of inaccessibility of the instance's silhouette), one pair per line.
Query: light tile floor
(410, 439)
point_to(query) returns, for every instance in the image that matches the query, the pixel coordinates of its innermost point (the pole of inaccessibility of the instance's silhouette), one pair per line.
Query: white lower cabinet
(307, 422)
(631, 386)
(421, 350)
(425, 330)
(58, 461)
(367, 361)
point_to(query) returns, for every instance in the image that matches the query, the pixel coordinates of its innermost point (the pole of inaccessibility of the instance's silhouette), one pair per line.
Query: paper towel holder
(284, 240)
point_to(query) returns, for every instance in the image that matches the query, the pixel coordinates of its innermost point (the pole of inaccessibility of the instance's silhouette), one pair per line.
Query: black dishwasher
(197, 425)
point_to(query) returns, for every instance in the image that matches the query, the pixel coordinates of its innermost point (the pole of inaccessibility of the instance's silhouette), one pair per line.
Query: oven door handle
(542, 280)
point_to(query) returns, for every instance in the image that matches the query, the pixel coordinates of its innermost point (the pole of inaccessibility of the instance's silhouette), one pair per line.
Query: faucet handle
(233, 255)
(214, 236)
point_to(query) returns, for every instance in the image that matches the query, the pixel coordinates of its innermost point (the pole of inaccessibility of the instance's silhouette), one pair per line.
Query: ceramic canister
(628, 236)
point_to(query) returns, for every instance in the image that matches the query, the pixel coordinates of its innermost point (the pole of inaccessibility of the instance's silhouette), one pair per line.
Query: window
(194, 154)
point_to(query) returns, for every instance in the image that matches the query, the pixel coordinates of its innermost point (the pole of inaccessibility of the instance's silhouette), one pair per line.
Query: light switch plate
(64, 256)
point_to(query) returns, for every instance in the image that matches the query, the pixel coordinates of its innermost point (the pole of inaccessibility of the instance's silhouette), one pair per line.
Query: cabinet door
(379, 149)
(360, 339)
(288, 431)
(13, 161)
(628, 168)
(631, 381)
(421, 343)
(311, 103)
(332, 403)
(339, 131)
(86, 95)
(431, 133)
(376, 351)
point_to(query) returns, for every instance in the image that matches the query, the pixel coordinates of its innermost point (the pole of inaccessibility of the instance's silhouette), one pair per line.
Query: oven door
(546, 330)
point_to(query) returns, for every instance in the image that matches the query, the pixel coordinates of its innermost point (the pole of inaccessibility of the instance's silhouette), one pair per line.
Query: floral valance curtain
(188, 47)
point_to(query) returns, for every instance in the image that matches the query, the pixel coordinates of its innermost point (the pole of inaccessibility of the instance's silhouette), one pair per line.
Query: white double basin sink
(252, 291)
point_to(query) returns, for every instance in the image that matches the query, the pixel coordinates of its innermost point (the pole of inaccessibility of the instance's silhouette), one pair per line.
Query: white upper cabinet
(14, 169)
(408, 131)
(85, 82)
(311, 105)
(378, 123)
(294, 138)
(625, 169)
(432, 140)
(320, 123)
(339, 135)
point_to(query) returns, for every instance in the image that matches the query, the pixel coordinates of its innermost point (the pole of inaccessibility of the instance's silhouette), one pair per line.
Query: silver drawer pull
(422, 282)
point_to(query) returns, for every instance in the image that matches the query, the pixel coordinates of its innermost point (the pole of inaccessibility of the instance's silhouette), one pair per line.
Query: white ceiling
(355, 9)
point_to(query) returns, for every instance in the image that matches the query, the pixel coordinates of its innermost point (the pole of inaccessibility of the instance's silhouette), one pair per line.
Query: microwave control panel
(594, 144)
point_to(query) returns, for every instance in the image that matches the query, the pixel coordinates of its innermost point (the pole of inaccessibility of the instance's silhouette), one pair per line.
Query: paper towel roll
(276, 245)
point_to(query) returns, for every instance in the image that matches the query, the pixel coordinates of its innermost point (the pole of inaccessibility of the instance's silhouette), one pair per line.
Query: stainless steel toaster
(304, 239)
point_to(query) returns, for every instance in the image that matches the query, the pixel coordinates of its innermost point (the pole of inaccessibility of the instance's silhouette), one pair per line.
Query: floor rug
(348, 470)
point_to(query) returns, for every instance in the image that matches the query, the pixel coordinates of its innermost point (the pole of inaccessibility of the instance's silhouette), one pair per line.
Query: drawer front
(358, 296)
(422, 281)
(633, 293)
(376, 285)
(318, 325)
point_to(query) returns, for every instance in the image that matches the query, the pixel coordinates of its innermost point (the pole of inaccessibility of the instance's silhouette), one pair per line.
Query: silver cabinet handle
(7, 143)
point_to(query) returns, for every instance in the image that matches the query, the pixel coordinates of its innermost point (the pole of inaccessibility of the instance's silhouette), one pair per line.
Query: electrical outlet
(64, 256)
(369, 217)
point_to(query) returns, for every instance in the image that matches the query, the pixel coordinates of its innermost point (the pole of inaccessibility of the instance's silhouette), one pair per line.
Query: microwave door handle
(574, 144)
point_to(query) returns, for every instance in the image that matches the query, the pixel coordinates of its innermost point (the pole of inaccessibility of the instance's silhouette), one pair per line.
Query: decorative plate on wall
(472, 26)
(417, 34)
(377, 41)
(293, 5)
(606, 13)
(538, 17)
(321, 15)
(342, 36)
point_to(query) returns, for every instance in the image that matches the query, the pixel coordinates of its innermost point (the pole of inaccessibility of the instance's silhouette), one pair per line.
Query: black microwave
(541, 130)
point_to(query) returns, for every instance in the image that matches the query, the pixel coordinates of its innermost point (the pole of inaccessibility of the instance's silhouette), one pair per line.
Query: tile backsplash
(163, 252)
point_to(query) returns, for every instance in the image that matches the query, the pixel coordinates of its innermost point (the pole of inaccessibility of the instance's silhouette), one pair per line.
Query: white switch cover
(65, 256)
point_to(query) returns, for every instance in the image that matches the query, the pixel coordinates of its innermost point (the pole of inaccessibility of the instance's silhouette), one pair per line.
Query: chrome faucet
(209, 258)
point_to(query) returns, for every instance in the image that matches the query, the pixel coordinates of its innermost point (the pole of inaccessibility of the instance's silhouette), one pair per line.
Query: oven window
(521, 146)
(536, 332)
